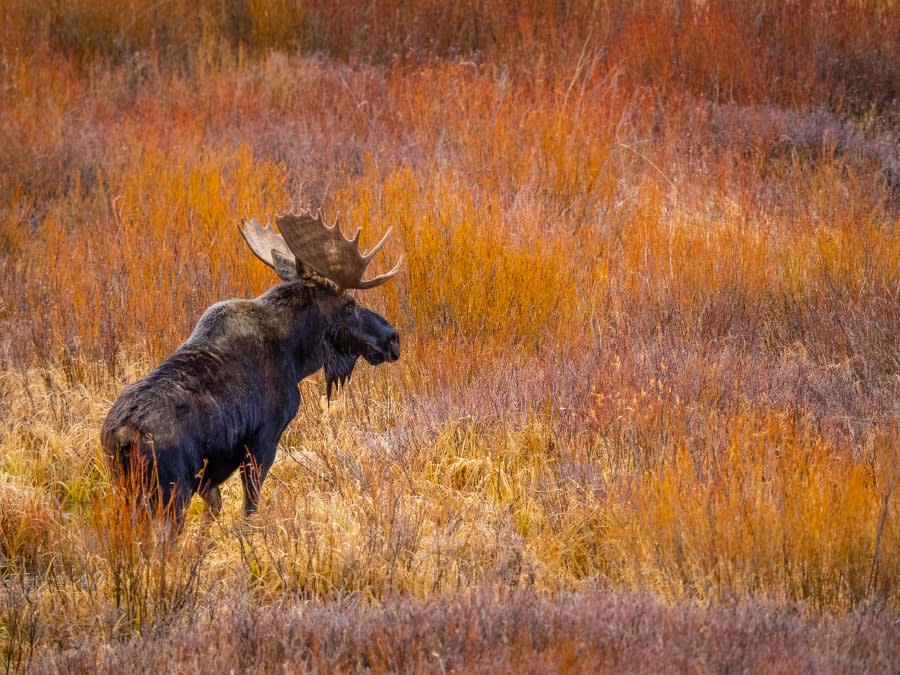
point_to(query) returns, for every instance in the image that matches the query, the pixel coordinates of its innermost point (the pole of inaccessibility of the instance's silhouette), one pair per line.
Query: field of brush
(647, 414)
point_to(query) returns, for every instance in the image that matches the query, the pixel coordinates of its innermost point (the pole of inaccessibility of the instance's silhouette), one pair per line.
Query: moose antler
(322, 248)
(264, 241)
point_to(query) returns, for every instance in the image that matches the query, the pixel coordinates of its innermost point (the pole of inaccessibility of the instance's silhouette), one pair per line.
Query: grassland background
(647, 416)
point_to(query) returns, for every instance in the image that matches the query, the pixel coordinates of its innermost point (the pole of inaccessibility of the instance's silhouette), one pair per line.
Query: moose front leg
(253, 470)
(213, 498)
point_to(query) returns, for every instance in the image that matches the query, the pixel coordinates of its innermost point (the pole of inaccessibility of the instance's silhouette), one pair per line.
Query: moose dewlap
(222, 400)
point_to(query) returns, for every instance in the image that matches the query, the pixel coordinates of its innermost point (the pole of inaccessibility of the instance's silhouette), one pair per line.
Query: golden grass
(650, 303)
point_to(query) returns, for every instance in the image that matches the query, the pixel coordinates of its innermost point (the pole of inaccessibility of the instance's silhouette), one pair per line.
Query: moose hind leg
(173, 488)
(169, 503)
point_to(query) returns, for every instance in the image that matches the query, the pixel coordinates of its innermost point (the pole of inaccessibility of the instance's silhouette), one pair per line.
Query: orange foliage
(649, 308)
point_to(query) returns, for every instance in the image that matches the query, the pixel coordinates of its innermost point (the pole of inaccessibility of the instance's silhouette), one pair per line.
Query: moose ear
(285, 266)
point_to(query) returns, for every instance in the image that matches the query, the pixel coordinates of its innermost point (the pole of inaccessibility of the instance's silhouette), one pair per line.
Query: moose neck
(298, 324)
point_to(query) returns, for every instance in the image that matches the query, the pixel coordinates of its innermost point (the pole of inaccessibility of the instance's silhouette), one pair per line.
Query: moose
(222, 400)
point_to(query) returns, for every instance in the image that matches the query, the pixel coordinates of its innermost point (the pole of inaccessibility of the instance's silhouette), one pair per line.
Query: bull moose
(222, 400)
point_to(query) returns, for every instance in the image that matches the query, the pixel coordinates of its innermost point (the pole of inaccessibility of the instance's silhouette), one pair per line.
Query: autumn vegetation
(647, 415)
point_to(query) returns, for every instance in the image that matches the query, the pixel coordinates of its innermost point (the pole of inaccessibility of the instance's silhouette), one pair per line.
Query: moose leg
(173, 491)
(252, 477)
(253, 472)
(180, 500)
(213, 498)
(171, 502)
(207, 486)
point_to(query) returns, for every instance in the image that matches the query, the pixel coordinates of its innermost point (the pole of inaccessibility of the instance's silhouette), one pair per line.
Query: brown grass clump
(484, 632)
(646, 416)
(29, 528)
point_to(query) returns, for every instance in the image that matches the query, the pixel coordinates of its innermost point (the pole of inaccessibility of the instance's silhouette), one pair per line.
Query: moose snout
(383, 348)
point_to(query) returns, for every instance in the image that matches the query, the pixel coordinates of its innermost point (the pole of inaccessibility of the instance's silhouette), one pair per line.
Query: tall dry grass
(650, 314)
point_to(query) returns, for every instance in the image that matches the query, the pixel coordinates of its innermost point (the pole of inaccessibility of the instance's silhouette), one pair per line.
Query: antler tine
(381, 278)
(336, 226)
(372, 251)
